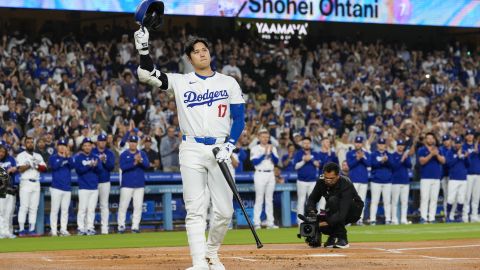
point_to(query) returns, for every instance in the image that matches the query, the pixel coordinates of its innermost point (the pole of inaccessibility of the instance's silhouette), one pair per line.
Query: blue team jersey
(105, 167)
(326, 158)
(381, 171)
(432, 169)
(308, 172)
(61, 168)
(473, 158)
(457, 165)
(400, 169)
(444, 150)
(87, 174)
(133, 175)
(290, 167)
(358, 169)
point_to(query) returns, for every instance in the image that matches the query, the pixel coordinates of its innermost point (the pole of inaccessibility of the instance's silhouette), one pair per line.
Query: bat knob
(215, 151)
(259, 245)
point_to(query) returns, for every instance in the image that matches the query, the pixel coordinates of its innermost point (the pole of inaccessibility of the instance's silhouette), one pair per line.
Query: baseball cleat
(257, 227)
(10, 236)
(81, 233)
(22, 233)
(341, 243)
(121, 229)
(330, 242)
(53, 234)
(33, 233)
(135, 231)
(272, 227)
(91, 232)
(64, 233)
(215, 264)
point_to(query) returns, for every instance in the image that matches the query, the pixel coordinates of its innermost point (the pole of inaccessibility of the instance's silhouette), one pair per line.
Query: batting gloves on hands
(141, 40)
(225, 152)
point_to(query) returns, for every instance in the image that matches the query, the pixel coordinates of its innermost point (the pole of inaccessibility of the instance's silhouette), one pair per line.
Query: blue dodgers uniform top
(445, 150)
(433, 168)
(308, 172)
(104, 167)
(290, 166)
(87, 175)
(457, 165)
(358, 168)
(381, 171)
(61, 172)
(326, 158)
(473, 158)
(133, 176)
(400, 169)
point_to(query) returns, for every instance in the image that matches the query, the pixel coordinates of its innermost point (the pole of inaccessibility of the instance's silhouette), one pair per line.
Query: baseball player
(457, 173)
(61, 165)
(264, 157)
(472, 197)
(7, 204)
(86, 165)
(133, 164)
(381, 182)
(358, 161)
(431, 160)
(29, 164)
(307, 164)
(445, 148)
(106, 165)
(326, 154)
(207, 102)
(400, 164)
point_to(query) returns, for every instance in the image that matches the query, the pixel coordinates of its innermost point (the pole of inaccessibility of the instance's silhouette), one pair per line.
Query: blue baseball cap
(359, 139)
(445, 137)
(62, 141)
(458, 139)
(381, 141)
(133, 138)
(101, 138)
(401, 142)
(470, 132)
(3, 144)
(86, 140)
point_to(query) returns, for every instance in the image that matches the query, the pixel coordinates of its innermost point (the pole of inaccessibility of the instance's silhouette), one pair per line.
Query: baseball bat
(233, 187)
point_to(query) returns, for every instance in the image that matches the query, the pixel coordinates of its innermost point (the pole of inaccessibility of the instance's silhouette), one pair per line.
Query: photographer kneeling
(343, 206)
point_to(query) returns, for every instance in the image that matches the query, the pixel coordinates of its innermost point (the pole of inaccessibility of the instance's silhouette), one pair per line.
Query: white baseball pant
(264, 187)
(457, 189)
(429, 189)
(385, 190)
(87, 202)
(400, 192)
(444, 186)
(3, 217)
(304, 189)
(361, 189)
(200, 172)
(126, 195)
(103, 196)
(60, 200)
(29, 200)
(472, 198)
(10, 211)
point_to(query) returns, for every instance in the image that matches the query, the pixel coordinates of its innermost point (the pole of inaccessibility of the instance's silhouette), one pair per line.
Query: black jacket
(343, 194)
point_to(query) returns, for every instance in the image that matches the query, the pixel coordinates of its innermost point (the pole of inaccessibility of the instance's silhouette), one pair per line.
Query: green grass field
(241, 237)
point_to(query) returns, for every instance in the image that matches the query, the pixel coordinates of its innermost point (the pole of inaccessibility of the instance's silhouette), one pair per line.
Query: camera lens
(307, 229)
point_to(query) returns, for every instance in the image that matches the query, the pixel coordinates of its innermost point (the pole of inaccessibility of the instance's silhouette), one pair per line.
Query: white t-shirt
(25, 158)
(267, 164)
(203, 104)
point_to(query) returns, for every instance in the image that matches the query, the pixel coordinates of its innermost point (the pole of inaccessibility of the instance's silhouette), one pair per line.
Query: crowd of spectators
(53, 87)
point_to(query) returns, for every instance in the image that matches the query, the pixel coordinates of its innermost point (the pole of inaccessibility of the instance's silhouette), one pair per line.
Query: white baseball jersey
(267, 164)
(203, 104)
(25, 158)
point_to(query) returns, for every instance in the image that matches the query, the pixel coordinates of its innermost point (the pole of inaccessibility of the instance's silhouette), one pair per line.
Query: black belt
(32, 180)
(264, 171)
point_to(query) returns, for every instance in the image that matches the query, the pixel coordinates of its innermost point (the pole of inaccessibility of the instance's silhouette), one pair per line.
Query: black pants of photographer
(338, 230)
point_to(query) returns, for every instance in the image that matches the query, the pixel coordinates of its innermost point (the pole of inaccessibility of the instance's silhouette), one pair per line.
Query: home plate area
(450, 254)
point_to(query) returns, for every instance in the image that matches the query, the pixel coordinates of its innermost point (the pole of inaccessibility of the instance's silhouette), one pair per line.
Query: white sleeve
(40, 158)
(236, 93)
(256, 152)
(22, 160)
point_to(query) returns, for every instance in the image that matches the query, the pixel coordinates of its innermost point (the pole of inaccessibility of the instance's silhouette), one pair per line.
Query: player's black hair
(191, 43)
(332, 167)
(307, 138)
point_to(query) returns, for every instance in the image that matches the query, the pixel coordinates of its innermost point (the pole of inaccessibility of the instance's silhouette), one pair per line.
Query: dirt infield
(453, 254)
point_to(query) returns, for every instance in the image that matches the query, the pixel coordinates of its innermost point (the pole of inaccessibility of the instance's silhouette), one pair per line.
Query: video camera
(4, 182)
(310, 229)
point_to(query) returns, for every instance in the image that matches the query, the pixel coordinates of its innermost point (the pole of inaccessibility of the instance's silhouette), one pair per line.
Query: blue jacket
(242, 155)
(105, 167)
(433, 168)
(400, 169)
(381, 171)
(473, 158)
(325, 158)
(7, 163)
(291, 165)
(87, 175)
(457, 165)
(358, 168)
(133, 176)
(61, 172)
(445, 150)
(308, 172)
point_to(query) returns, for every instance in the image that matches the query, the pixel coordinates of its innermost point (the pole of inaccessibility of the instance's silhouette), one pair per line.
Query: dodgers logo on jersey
(193, 99)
